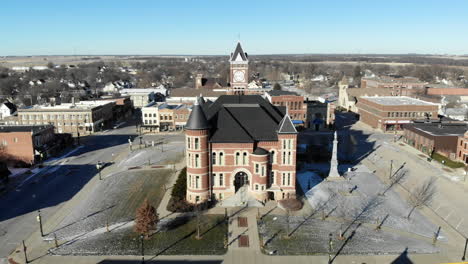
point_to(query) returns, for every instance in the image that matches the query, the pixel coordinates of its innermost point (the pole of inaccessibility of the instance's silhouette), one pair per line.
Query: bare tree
(357, 213)
(422, 195)
(146, 219)
(395, 179)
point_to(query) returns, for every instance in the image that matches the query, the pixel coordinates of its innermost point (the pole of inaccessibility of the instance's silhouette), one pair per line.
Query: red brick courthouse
(240, 142)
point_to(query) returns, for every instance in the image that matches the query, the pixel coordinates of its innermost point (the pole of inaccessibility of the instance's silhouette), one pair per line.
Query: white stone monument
(333, 174)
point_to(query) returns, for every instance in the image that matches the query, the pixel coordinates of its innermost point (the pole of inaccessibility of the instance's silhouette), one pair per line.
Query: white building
(140, 97)
(7, 109)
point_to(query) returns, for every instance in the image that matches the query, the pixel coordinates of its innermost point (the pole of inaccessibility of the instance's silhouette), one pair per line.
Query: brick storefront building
(240, 143)
(82, 118)
(389, 113)
(434, 137)
(27, 143)
(163, 117)
(294, 104)
(462, 148)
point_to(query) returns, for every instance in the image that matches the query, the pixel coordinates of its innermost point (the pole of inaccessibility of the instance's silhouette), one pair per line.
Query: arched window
(221, 158)
(213, 160)
(197, 160)
(244, 158)
(237, 158)
(272, 157)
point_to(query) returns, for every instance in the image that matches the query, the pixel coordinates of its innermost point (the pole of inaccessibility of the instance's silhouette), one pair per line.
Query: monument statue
(333, 174)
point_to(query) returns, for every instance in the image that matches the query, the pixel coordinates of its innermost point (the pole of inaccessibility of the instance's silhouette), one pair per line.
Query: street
(55, 184)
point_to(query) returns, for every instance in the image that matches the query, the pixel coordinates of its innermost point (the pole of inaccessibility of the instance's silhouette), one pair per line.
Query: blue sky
(51, 27)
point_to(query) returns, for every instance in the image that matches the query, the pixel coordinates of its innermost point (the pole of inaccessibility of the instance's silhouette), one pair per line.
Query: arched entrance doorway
(240, 179)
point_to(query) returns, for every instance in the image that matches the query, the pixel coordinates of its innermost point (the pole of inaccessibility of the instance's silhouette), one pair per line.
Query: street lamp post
(98, 167)
(39, 219)
(142, 249)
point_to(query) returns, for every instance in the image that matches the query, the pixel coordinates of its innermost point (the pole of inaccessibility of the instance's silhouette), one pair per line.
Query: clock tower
(239, 72)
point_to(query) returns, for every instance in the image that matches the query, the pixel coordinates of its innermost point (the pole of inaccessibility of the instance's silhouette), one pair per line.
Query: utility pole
(39, 219)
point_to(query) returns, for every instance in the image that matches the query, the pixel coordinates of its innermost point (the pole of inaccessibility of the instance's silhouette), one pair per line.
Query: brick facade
(426, 138)
(295, 105)
(389, 118)
(462, 148)
(269, 176)
(26, 144)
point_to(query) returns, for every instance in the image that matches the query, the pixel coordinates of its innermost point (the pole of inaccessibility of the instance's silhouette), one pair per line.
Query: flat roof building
(80, 118)
(431, 138)
(389, 113)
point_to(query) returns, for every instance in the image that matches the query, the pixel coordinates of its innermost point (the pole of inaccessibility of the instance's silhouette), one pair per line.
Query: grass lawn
(449, 163)
(176, 237)
(144, 184)
(115, 200)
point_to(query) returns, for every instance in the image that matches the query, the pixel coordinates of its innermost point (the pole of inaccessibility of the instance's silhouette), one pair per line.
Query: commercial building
(441, 138)
(240, 145)
(164, 117)
(27, 144)
(122, 109)
(399, 85)
(294, 104)
(348, 97)
(142, 96)
(81, 118)
(444, 90)
(462, 148)
(389, 113)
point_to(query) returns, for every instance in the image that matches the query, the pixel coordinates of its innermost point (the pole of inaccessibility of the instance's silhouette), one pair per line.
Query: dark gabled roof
(242, 119)
(281, 92)
(197, 119)
(275, 112)
(201, 100)
(228, 129)
(211, 83)
(260, 151)
(286, 126)
(11, 106)
(239, 51)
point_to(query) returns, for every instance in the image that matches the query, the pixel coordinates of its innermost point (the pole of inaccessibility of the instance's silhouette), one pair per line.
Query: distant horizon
(220, 55)
(212, 28)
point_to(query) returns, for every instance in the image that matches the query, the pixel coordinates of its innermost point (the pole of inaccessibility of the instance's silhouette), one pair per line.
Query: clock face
(239, 76)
